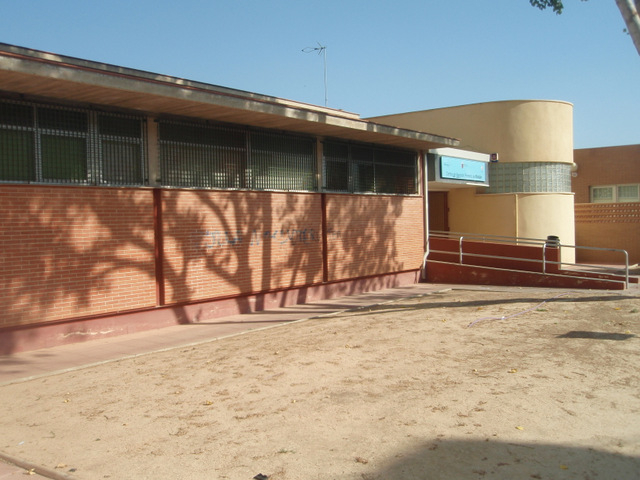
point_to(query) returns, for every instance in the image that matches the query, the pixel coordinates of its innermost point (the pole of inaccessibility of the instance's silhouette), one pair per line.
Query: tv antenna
(322, 50)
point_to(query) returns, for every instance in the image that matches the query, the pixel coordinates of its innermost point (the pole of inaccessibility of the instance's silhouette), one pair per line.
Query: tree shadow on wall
(63, 247)
(244, 243)
(362, 236)
(492, 459)
(75, 252)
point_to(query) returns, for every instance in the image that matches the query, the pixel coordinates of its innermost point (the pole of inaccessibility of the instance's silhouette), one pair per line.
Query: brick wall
(72, 252)
(604, 166)
(371, 235)
(220, 244)
(608, 225)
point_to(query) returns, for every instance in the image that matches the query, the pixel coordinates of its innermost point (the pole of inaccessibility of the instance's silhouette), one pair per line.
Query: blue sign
(462, 169)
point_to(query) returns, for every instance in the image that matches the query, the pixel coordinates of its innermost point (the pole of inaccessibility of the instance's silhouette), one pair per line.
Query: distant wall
(604, 166)
(608, 225)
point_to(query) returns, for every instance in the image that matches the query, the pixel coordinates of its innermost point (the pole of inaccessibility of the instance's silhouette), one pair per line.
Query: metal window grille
(122, 156)
(52, 144)
(227, 157)
(396, 171)
(202, 156)
(367, 169)
(282, 162)
(335, 167)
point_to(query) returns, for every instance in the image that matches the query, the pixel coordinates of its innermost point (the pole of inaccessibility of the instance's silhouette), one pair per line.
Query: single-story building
(131, 200)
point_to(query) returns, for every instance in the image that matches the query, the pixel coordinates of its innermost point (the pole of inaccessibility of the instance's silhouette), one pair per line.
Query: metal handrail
(545, 243)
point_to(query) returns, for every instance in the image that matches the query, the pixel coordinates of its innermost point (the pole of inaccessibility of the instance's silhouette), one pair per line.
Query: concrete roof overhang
(40, 74)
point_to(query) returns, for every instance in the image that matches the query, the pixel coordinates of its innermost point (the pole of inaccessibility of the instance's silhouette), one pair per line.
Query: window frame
(369, 175)
(615, 196)
(92, 164)
(265, 160)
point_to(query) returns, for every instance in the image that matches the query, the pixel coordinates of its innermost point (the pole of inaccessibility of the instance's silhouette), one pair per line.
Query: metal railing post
(626, 268)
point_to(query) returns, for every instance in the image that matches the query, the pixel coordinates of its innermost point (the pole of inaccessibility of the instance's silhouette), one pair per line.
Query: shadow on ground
(461, 460)
(436, 300)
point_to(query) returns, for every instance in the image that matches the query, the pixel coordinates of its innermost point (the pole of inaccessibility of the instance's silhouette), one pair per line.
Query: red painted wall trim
(158, 246)
(325, 260)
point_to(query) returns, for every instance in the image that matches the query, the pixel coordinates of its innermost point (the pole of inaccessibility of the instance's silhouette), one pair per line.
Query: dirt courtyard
(460, 384)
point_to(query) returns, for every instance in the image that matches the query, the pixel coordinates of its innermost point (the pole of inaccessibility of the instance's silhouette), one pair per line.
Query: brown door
(438, 211)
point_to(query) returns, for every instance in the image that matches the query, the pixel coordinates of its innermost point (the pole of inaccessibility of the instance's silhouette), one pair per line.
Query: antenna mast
(322, 50)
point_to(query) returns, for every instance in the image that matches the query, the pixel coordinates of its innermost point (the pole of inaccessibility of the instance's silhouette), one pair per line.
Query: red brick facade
(82, 252)
(219, 244)
(608, 225)
(74, 252)
(369, 235)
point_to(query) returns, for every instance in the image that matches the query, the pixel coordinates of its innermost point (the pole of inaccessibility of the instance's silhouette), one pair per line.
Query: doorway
(438, 211)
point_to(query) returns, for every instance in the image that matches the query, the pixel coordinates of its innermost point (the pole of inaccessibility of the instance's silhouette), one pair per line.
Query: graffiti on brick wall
(212, 239)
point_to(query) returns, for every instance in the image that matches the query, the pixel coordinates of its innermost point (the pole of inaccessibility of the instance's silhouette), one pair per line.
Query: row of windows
(356, 168)
(53, 144)
(59, 145)
(229, 157)
(615, 193)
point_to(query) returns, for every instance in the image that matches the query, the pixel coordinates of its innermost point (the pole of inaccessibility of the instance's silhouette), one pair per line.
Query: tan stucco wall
(484, 214)
(528, 215)
(541, 215)
(518, 130)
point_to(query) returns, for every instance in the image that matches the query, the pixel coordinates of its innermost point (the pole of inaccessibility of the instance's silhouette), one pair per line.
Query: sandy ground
(405, 390)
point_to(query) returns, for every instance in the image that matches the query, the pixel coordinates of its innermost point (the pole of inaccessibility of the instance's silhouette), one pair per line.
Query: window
(603, 194)
(615, 193)
(202, 156)
(121, 149)
(336, 167)
(628, 193)
(282, 162)
(217, 156)
(53, 144)
(365, 169)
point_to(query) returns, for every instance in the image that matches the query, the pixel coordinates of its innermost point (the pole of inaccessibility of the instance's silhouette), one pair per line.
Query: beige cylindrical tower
(530, 184)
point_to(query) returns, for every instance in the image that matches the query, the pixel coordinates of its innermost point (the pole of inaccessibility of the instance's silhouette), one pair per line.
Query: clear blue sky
(382, 56)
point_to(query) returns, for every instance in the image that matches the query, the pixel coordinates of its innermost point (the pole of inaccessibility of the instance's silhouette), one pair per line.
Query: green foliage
(543, 4)
(556, 5)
